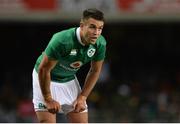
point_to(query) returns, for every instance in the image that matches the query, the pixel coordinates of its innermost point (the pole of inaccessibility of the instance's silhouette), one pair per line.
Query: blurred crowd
(150, 99)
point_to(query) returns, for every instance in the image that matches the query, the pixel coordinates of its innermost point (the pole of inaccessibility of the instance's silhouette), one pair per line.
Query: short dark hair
(93, 13)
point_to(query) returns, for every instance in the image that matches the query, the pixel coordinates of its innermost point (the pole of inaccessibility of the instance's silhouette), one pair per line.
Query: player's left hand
(80, 104)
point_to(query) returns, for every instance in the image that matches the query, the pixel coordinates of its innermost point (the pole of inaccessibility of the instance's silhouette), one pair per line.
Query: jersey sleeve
(101, 52)
(55, 48)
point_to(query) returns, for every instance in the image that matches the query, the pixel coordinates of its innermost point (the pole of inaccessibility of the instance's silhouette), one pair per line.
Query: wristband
(47, 97)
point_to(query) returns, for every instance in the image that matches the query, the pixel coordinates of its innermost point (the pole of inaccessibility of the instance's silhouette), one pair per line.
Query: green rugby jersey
(71, 54)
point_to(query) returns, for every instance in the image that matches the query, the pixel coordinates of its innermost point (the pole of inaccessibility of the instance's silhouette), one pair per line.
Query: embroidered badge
(91, 52)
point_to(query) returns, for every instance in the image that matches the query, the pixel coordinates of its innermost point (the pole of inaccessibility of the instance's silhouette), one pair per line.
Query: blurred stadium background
(140, 80)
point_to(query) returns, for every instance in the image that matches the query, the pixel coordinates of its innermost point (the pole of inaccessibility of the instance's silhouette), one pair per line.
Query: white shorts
(64, 93)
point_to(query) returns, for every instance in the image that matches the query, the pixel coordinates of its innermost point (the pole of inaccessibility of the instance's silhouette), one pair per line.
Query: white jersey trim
(78, 36)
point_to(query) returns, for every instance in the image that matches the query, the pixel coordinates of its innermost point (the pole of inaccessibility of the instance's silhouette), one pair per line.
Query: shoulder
(64, 37)
(101, 41)
(62, 42)
(65, 34)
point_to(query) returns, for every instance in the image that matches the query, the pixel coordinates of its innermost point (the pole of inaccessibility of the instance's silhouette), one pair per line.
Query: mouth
(93, 38)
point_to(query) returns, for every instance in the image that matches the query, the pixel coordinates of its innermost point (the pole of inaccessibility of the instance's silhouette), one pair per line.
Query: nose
(96, 32)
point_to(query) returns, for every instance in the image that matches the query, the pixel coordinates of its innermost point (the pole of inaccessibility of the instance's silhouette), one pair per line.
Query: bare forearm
(90, 82)
(44, 80)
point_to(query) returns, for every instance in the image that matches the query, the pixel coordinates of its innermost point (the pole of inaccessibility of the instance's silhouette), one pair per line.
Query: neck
(83, 39)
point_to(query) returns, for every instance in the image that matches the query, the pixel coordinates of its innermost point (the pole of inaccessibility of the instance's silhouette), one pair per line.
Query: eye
(100, 28)
(92, 26)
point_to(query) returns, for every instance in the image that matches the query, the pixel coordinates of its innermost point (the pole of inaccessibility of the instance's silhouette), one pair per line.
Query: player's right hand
(53, 106)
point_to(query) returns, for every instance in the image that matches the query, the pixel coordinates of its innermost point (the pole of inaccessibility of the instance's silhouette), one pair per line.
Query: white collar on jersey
(78, 36)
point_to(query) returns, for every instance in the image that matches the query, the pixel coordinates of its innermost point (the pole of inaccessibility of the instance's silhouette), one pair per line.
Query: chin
(93, 42)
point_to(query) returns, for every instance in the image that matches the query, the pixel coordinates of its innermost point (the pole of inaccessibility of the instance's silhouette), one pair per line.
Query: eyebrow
(96, 26)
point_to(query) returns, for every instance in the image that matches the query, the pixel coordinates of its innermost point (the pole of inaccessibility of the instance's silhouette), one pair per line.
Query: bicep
(47, 63)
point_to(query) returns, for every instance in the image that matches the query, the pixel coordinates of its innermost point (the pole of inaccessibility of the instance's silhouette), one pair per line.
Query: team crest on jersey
(73, 52)
(91, 52)
(76, 64)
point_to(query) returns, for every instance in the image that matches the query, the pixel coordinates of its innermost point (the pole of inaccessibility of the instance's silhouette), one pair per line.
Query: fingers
(79, 104)
(75, 103)
(79, 108)
(53, 110)
(53, 107)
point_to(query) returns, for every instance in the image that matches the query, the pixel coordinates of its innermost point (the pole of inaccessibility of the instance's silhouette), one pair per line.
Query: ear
(81, 23)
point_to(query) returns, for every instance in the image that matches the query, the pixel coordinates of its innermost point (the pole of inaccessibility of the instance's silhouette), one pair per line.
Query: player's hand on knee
(80, 104)
(79, 108)
(53, 106)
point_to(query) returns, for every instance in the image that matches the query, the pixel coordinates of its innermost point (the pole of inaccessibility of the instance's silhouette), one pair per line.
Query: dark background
(143, 71)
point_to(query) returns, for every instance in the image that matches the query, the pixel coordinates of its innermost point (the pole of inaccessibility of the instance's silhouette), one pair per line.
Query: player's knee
(78, 117)
(46, 121)
(45, 117)
(43, 121)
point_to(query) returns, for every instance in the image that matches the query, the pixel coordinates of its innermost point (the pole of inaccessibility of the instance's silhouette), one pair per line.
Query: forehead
(95, 22)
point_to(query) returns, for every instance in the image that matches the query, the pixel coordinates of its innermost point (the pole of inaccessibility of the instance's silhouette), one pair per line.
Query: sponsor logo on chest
(76, 64)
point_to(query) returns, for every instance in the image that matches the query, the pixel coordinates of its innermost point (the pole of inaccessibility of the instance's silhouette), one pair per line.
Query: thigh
(46, 117)
(77, 117)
